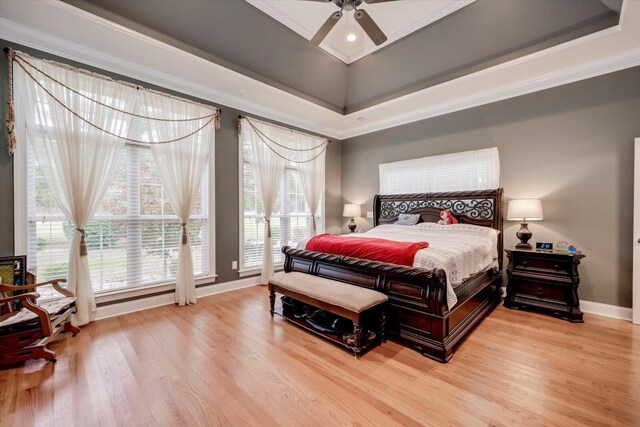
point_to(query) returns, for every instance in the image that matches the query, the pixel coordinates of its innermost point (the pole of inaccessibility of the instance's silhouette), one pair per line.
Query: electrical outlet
(234, 265)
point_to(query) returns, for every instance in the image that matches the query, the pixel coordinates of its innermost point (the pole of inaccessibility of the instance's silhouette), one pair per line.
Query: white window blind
(290, 222)
(133, 238)
(465, 171)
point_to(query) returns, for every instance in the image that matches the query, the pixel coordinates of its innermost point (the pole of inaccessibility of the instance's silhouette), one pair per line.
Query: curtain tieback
(184, 233)
(313, 223)
(268, 222)
(83, 243)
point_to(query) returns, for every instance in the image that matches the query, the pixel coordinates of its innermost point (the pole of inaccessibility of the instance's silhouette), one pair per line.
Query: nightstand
(545, 281)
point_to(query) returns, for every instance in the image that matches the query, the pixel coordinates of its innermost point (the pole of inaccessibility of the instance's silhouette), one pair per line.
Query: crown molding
(391, 38)
(54, 26)
(100, 58)
(546, 81)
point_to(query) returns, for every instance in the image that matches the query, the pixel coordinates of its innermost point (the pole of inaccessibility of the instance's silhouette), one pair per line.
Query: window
(132, 240)
(290, 222)
(469, 170)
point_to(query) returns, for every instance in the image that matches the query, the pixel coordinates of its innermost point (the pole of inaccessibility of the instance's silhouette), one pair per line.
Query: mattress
(461, 250)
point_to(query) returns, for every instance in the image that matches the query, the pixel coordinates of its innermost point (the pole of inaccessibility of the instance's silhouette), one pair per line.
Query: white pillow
(407, 219)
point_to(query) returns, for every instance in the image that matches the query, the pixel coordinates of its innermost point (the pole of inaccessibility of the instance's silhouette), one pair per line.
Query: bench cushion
(350, 297)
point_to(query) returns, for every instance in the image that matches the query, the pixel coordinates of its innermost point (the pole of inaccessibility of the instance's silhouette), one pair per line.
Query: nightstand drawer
(542, 265)
(540, 290)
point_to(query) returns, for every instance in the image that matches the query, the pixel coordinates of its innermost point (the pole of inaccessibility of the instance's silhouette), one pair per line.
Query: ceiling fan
(362, 18)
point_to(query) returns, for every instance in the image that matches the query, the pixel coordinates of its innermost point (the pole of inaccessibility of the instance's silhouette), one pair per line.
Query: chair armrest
(32, 295)
(55, 283)
(29, 304)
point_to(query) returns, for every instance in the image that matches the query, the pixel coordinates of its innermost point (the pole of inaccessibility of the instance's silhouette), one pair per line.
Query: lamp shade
(351, 210)
(525, 210)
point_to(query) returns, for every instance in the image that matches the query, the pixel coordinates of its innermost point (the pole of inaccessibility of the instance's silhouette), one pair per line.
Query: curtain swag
(261, 135)
(20, 59)
(269, 148)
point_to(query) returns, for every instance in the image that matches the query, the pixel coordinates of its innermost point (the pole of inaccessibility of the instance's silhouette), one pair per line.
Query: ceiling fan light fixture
(362, 17)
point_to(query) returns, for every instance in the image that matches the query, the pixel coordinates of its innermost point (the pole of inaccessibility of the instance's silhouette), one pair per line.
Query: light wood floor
(225, 362)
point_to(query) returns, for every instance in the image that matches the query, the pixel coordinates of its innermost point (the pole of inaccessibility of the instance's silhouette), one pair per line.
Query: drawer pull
(539, 292)
(556, 266)
(524, 262)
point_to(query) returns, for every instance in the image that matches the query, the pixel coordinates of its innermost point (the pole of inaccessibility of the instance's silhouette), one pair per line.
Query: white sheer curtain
(180, 166)
(311, 171)
(469, 170)
(267, 164)
(76, 159)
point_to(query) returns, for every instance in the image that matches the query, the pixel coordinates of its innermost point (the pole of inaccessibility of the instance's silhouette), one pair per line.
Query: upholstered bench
(364, 307)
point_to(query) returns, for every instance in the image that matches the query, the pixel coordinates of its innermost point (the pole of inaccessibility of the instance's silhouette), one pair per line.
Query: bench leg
(272, 300)
(357, 346)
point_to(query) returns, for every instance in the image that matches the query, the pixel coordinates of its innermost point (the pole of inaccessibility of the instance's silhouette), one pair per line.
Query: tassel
(11, 141)
(217, 119)
(268, 221)
(10, 115)
(83, 244)
(184, 233)
(10, 124)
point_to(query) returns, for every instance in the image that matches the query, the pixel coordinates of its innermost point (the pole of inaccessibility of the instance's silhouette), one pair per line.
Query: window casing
(290, 221)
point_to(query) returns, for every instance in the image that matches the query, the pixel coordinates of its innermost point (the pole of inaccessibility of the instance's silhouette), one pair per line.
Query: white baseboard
(126, 307)
(112, 310)
(607, 310)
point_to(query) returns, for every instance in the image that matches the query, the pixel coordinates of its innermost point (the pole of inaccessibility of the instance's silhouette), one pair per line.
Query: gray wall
(227, 191)
(571, 146)
(477, 36)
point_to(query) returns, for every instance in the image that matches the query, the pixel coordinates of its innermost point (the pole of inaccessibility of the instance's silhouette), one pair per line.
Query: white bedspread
(461, 250)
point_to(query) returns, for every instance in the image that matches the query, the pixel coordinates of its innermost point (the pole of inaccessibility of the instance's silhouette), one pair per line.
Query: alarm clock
(544, 246)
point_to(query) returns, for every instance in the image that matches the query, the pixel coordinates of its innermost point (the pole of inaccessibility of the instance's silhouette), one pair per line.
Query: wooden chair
(25, 333)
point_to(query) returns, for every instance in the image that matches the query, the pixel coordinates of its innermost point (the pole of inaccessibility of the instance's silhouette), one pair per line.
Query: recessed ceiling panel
(395, 18)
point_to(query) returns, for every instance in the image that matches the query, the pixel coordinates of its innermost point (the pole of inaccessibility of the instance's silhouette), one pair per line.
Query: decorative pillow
(408, 219)
(447, 218)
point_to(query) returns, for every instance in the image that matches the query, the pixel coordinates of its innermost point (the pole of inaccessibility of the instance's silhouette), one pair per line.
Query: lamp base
(352, 225)
(524, 235)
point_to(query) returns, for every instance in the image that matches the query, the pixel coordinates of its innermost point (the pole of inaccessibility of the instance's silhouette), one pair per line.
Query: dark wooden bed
(418, 314)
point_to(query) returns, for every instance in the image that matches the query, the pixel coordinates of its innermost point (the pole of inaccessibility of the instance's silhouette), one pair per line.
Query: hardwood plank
(225, 361)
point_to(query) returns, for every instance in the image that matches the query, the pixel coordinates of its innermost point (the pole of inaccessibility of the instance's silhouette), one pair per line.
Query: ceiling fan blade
(326, 27)
(370, 27)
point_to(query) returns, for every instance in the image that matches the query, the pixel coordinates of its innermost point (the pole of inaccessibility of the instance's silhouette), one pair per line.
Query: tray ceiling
(77, 35)
(397, 19)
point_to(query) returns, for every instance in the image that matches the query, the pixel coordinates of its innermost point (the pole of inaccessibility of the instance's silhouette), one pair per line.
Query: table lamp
(524, 210)
(351, 211)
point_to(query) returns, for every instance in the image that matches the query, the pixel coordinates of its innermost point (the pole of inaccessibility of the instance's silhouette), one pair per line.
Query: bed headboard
(482, 207)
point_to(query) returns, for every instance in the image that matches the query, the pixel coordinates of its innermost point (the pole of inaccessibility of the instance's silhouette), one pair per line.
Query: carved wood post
(272, 299)
(357, 347)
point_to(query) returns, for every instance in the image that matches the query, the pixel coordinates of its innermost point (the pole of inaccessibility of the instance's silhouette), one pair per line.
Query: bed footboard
(416, 288)
(418, 314)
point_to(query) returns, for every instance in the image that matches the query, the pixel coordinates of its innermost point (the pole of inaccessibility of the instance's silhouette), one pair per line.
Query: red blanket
(373, 249)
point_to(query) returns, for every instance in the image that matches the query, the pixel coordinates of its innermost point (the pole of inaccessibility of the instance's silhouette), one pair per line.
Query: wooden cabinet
(545, 281)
